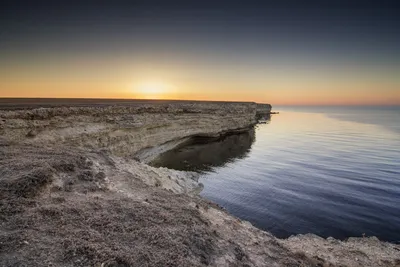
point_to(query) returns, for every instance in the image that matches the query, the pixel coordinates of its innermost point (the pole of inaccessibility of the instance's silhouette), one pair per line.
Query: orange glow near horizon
(160, 91)
(199, 83)
(152, 90)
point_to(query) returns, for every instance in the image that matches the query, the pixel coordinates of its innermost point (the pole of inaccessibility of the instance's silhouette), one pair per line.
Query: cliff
(263, 111)
(124, 130)
(75, 190)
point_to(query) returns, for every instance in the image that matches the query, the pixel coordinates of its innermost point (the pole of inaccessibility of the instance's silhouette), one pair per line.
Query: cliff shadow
(264, 116)
(201, 154)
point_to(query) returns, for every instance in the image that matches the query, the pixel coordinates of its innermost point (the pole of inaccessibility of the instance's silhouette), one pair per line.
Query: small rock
(86, 175)
(100, 176)
(374, 238)
(31, 133)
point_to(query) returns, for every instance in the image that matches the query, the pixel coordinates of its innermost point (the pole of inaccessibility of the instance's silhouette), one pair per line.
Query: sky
(278, 52)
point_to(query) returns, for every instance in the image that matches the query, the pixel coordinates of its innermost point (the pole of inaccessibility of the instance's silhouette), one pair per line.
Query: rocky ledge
(75, 190)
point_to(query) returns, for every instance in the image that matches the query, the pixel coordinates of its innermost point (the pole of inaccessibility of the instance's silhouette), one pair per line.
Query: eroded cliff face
(124, 130)
(263, 110)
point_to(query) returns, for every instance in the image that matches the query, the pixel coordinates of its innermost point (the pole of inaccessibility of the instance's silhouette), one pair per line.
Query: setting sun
(153, 90)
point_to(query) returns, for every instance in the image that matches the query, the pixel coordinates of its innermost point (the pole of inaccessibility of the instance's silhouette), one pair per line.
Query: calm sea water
(331, 171)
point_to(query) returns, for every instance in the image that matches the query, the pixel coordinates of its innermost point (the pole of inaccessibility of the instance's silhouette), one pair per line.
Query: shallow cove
(305, 172)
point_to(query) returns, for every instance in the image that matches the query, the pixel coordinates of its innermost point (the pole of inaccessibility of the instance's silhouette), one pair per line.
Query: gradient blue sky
(281, 52)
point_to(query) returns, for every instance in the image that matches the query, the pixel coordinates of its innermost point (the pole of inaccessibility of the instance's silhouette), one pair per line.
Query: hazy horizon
(283, 53)
(189, 100)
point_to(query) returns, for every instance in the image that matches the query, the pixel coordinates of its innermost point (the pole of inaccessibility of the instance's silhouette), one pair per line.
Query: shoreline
(75, 195)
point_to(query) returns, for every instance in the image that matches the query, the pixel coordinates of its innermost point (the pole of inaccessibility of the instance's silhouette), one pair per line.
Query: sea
(331, 171)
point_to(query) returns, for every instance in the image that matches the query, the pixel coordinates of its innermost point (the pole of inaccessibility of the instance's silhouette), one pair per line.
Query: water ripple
(314, 173)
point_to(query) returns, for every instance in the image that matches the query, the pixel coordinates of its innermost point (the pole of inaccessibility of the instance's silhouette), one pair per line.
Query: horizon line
(195, 100)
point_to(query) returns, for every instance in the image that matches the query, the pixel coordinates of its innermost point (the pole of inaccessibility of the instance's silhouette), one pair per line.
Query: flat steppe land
(75, 190)
(29, 103)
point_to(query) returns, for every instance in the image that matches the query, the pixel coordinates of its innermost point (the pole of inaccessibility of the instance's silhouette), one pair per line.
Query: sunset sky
(278, 52)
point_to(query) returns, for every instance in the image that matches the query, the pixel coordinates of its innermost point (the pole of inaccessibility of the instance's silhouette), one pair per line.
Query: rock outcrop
(263, 111)
(75, 191)
(124, 130)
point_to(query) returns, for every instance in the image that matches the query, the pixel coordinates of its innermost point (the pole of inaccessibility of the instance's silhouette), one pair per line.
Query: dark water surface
(331, 171)
(204, 155)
